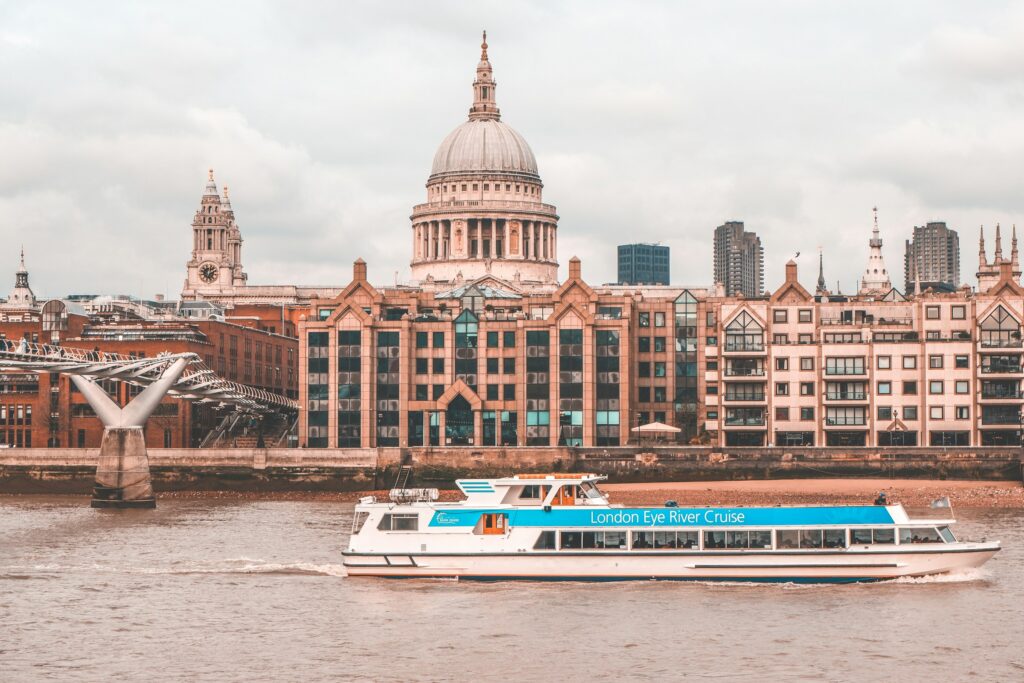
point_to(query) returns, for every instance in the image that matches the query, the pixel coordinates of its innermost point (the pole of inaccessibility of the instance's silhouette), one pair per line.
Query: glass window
(910, 388)
(421, 366)
(931, 312)
(811, 538)
(714, 539)
(869, 536)
(961, 361)
(807, 413)
(961, 386)
(508, 365)
(782, 389)
(934, 362)
(963, 412)
(492, 339)
(910, 413)
(421, 340)
(644, 319)
(782, 364)
(508, 338)
(546, 541)
(930, 535)
(737, 539)
(909, 362)
(884, 362)
(787, 538)
(780, 315)
(439, 340)
(807, 363)
(835, 538)
(958, 312)
(659, 369)
(659, 319)
(659, 344)
(805, 315)
(644, 344)
(935, 412)
(438, 364)
(492, 366)
(935, 386)
(885, 388)
(399, 522)
(570, 540)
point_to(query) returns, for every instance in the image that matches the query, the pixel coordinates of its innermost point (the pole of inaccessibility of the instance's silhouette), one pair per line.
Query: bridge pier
(122, 471)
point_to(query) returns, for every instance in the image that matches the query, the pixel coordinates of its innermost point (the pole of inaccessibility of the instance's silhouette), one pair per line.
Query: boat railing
(406, 496)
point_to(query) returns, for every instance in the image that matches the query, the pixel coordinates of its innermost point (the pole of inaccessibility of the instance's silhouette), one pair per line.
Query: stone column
(507, 246)
(478, 428)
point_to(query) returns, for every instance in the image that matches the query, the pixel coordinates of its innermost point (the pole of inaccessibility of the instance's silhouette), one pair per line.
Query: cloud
(653, 122)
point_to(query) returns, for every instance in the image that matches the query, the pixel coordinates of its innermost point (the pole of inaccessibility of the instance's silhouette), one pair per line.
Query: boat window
(570, 540)
(788, 538)
(531, 492)
(884, 535)
(588, 490)
(546, 541)
(810, 538)
(714, 539)
(929, 535)
(947, 535)
(860, 536)
(737, 539)
(761, 539)
(687, 539)
(835, 538)
(358, 521)
(643, 540)
(393, 522)
(603, 540)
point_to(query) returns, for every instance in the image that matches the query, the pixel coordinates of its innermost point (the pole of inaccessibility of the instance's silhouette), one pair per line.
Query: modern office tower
(739, 260)
(643, 264)
(932, 257)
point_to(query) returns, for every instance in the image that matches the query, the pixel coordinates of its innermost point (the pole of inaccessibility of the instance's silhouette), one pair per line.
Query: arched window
(1000, 329)
(744, 333)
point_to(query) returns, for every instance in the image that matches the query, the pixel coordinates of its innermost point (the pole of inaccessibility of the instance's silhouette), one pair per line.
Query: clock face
(208, 272)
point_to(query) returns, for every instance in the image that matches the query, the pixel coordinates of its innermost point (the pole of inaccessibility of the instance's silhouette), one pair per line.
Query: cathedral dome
(482, 146)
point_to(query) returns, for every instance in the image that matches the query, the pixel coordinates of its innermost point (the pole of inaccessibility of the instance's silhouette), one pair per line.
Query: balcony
(846, 421)
(450, 205)
(846, 396)
(993, 343)
(1001, 369)
(744, 347)
(744, 421)
(748, 398)
(744, 372)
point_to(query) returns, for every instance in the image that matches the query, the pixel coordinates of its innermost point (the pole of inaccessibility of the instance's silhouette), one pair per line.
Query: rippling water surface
(239, 590)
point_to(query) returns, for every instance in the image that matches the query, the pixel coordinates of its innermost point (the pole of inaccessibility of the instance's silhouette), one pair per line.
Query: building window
(711, 341)
(421, 392)
(509, 339)
(659, 319)
(712, 389)
(644, 319)
(644, 369)
(782, 388)
(782, 414)
(421, 366)
(492, 340)
(910, 413)
(807, 363)
(931, 312)
(963, 413)
(910, 388)
(712, 365)
(439, 340)
(807, 388)
(935, 362)
(782, 364)
(659, 394)
(643, 394)
(421, 340)
(659, 369)
(780, 338)
(509, 392)
(885, 388)
(958, 312)
(805, 338)
(961, 361)
(780, 315)
(437, 391)
(492, 392)
(885, 413)
(659, 344)
(884, 362)
(508, 365)
(492, 366)
(805, 315)
(933, 335)
(935, 386)
(909, 362)
(644, 344)
(935, 412)
(438, 364)
(807, 414)
(961, 386)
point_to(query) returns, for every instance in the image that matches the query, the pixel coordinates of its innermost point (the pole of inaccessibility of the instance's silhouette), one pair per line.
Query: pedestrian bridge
(122, 470)
(196, 383)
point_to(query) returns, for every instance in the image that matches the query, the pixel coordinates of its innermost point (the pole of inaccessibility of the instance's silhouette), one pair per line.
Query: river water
(236, 590)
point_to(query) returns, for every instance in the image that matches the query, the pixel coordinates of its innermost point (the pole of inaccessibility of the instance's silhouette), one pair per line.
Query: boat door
(495, 523)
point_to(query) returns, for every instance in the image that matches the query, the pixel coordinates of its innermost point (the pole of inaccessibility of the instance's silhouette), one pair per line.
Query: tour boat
(561, 526)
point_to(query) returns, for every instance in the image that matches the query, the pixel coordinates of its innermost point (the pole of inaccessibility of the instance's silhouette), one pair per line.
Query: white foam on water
(955, 576)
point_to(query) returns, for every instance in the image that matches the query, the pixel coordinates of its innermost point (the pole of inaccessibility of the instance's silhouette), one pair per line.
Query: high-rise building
(643, 264)
(739, 260)
(932, 257)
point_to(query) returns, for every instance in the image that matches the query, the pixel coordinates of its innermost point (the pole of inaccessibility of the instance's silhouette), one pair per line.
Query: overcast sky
(650, 122)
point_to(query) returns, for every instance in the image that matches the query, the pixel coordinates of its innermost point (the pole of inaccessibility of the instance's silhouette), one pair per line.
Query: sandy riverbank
(911, 492)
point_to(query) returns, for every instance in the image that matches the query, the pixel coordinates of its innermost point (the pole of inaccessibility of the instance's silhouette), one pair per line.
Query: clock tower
(216, 264)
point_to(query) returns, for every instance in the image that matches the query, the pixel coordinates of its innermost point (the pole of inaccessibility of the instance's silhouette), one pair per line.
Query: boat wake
(245, 565)
(956, 576)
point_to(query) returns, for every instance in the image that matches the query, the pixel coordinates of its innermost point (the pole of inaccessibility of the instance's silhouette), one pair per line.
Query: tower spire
(822, 287)
(484, 105)
(982, 259)
(876, 276)
(999, 246)
(1013, 249)
(211, 185)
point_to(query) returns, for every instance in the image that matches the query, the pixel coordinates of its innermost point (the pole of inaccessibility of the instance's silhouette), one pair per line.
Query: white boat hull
(854, 564)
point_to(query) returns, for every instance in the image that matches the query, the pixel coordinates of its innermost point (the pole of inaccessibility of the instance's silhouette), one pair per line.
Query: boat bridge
(122, 471)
